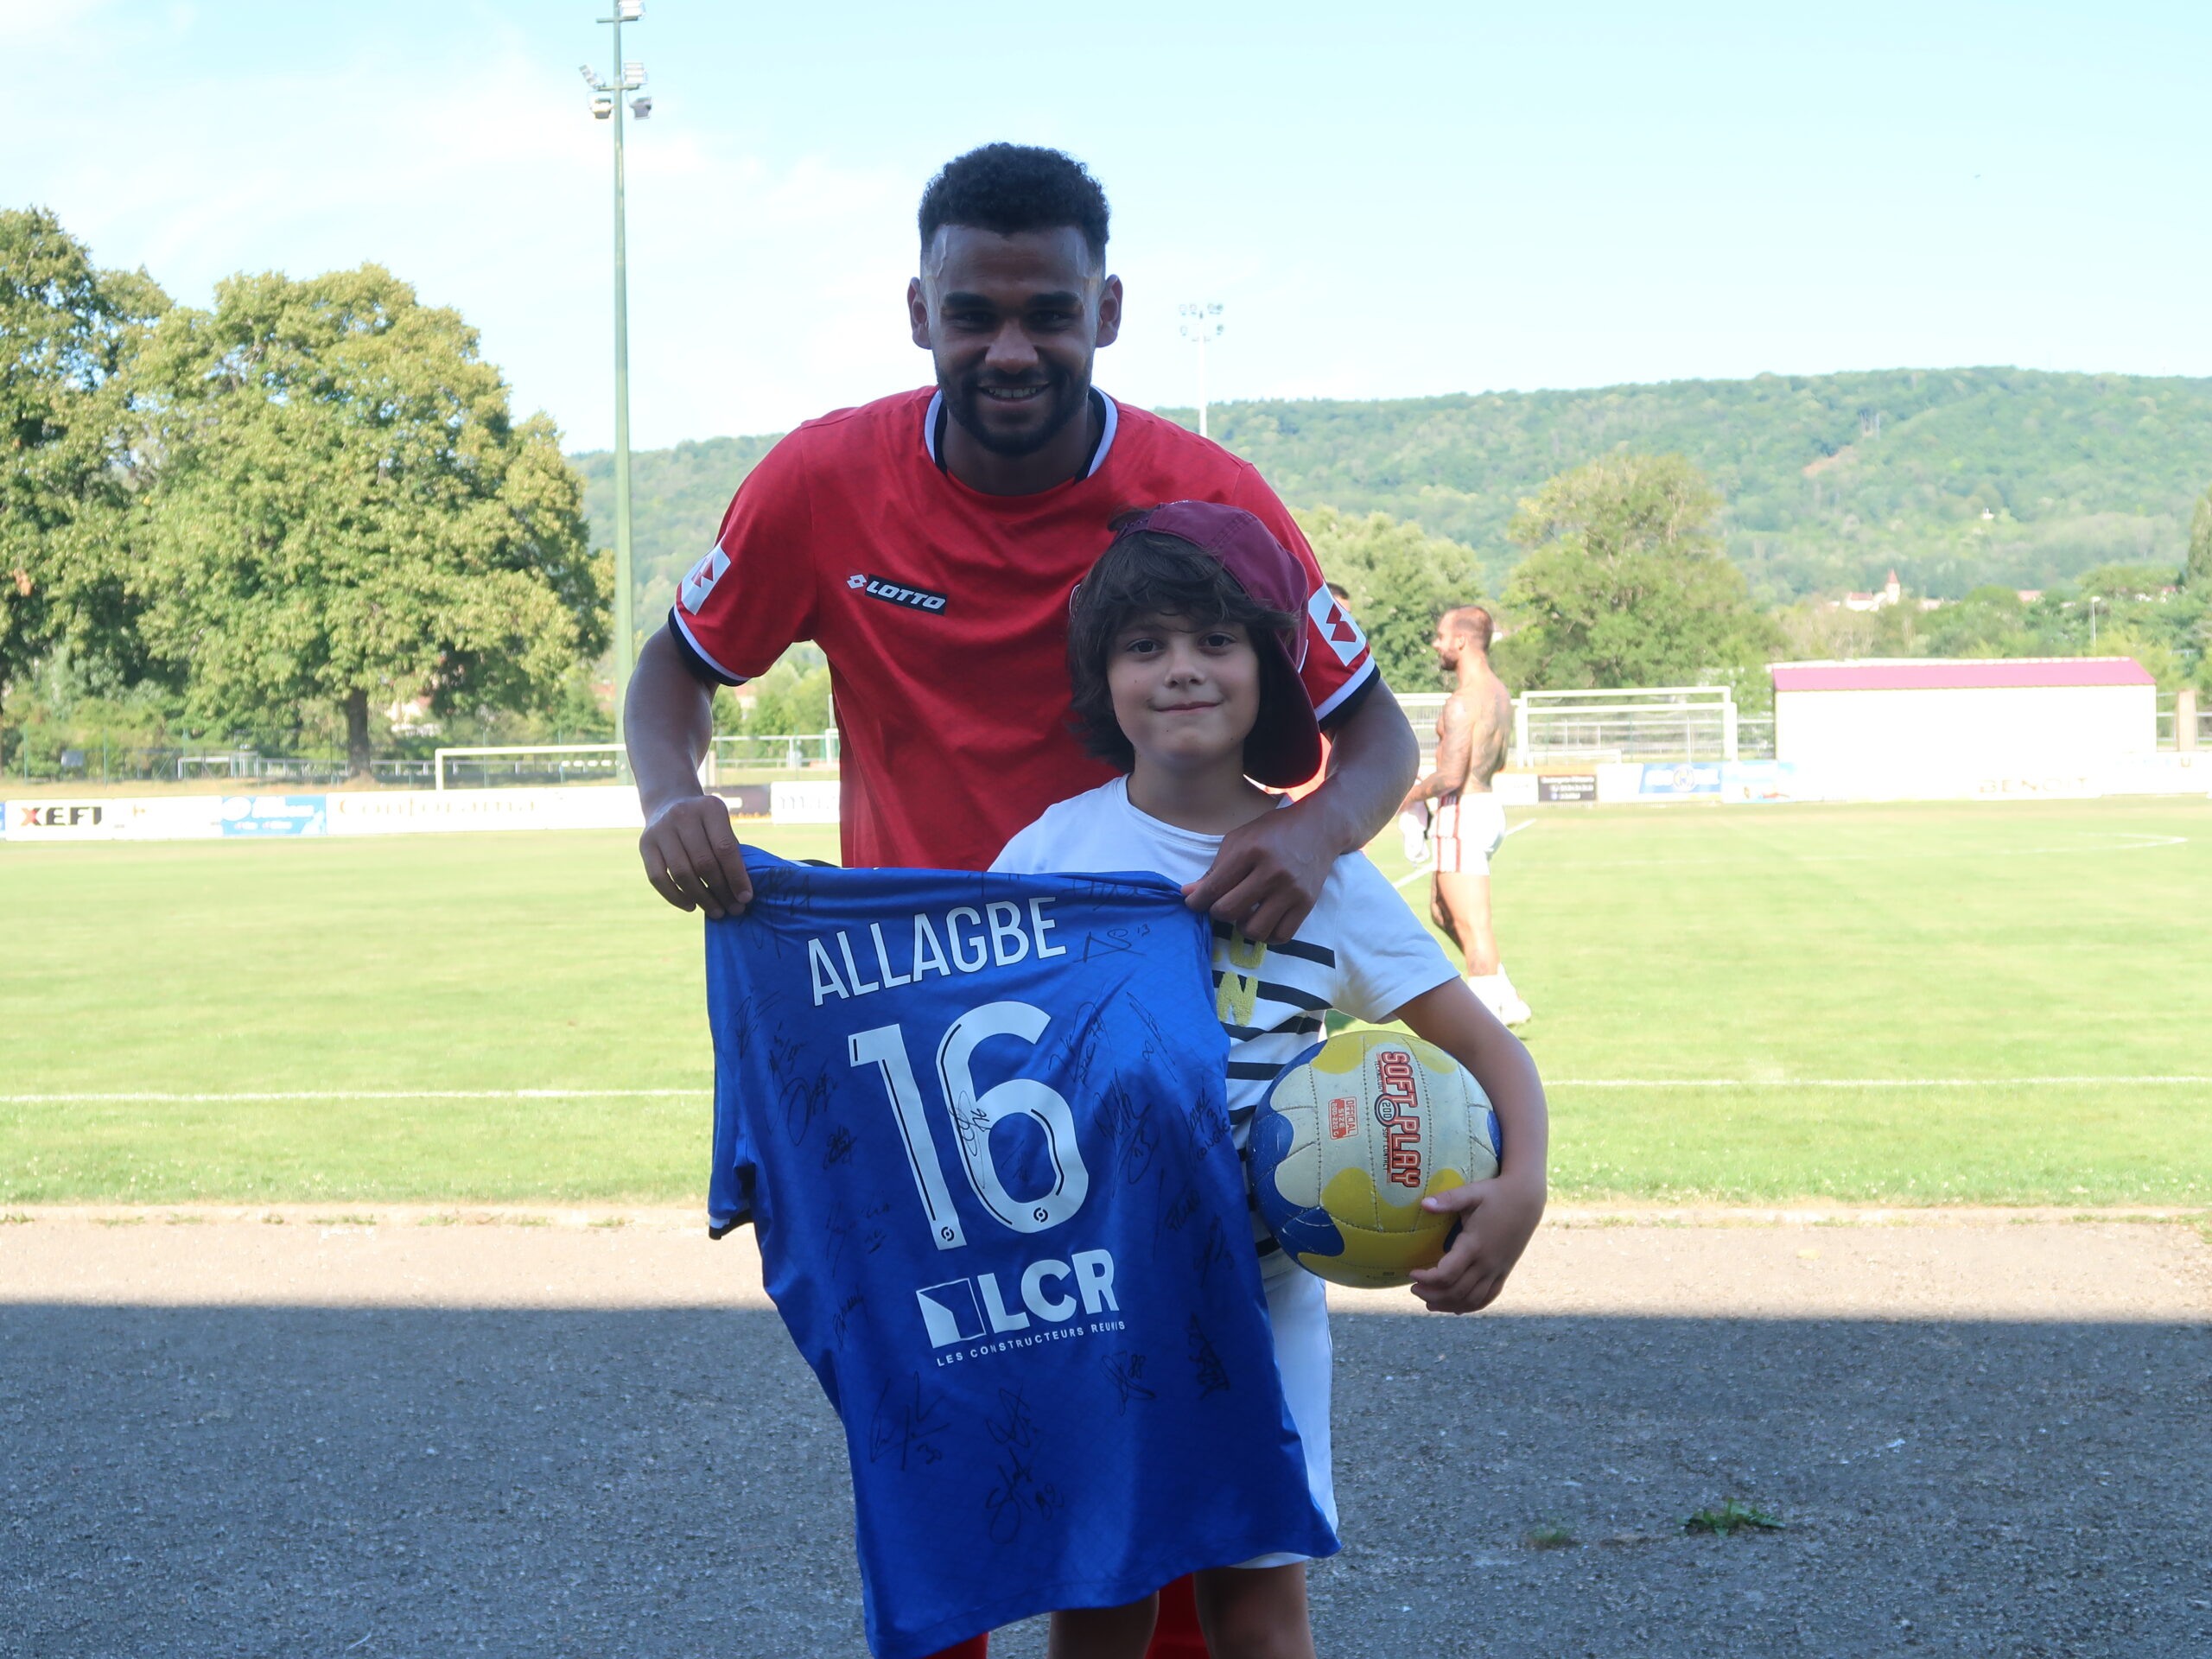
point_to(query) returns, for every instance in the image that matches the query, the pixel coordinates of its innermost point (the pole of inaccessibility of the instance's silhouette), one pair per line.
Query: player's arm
(1269, 874)
(691, 853)
(1497, 1216)
(1455, 749)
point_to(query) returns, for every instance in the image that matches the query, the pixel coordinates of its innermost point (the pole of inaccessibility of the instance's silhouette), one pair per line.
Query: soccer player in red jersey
(928, 542)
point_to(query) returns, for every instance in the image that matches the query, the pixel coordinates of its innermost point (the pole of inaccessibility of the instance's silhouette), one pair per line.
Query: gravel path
(325, 1438)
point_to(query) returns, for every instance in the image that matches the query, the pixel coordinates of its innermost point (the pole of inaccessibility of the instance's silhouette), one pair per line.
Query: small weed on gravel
(1552, 1534)
(15, 1218)
(1731, 1517)
(343, 1221)
(439, 1218)
(612, 1221)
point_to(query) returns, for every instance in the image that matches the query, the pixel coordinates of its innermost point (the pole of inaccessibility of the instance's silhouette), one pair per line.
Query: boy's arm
(691, 853)
(1267, 874)
(1498, 1215)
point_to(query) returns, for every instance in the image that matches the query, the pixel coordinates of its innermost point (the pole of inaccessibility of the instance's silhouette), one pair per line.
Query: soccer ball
(1352, 1136)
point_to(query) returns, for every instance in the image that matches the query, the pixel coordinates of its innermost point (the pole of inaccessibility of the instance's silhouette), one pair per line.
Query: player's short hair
(1469, 622)
(1009, 189)
(1148, 573)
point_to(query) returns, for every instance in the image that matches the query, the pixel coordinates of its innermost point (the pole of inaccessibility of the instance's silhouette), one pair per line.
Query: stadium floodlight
(1201, 324)
(629, 74)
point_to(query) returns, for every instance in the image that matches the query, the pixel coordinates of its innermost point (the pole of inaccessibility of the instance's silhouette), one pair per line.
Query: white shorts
(1298, 1314)
(1468, 830)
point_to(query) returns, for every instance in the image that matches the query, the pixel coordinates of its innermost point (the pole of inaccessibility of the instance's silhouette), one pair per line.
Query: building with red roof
(2038, 711)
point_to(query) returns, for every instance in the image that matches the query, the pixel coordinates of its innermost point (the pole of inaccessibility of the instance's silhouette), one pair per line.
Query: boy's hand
(693, 860)
(1496, 1219)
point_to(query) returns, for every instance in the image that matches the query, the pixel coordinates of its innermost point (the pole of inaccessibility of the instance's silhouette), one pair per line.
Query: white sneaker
(1497, 994)
(1512, 1008)
(1412, 826)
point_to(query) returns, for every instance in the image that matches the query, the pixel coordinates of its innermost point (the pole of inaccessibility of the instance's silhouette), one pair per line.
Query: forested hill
(1955, 476)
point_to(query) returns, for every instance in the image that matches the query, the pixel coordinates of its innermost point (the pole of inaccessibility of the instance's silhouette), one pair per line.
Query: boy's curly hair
(1146, 573)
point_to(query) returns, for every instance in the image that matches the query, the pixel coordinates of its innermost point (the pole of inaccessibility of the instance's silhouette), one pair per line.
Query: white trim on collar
(1105, 438)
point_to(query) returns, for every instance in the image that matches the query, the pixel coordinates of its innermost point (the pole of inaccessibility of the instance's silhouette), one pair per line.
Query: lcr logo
(962, 1310)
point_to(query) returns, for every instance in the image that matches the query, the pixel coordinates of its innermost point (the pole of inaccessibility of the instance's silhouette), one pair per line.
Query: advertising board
(415, 812)
(182, 817)
(1689, 777)
(803, 803)
(1567, 786)
(275, 815)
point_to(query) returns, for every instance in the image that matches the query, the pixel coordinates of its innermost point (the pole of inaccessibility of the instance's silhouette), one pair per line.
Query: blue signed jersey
(979, 1121)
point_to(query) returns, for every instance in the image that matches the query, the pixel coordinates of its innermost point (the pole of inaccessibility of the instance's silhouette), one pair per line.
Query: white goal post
(1668, 722)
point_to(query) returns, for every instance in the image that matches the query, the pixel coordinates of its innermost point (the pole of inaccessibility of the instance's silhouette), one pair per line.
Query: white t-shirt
(1362, 951)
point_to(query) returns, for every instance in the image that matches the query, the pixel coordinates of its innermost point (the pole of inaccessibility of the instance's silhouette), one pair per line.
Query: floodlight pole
(1199, 325)
(626, 78)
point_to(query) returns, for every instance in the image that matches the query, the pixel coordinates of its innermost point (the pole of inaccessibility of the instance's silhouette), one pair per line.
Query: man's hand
(1269, 874)
(693, 860)
(1496, 1219)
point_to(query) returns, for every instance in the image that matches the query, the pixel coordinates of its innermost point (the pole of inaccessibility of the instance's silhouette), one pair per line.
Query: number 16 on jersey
(974, 1116)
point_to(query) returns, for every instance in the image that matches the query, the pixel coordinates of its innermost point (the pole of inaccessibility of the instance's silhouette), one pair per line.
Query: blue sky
(1388, 200)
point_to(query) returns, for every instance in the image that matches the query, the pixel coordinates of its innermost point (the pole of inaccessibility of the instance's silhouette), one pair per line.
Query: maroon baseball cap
(1285, 746)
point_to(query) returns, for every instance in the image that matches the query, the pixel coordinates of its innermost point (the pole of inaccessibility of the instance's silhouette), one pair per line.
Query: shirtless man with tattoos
(1471, 734)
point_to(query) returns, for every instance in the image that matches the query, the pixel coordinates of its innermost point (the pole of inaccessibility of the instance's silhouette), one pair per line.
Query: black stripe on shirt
(1299, 1025)
(1252, 1070)
(1319, 953)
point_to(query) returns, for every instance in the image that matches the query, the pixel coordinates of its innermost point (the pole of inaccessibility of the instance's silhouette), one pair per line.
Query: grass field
(1744, 1004)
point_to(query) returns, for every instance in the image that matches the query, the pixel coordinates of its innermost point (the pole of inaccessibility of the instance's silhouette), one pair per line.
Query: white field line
(702, 1093)
(365, 1094)
(2136, 840)
(1852, 1082)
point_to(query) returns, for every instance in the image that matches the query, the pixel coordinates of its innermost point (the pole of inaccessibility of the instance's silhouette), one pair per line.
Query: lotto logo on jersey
(701, 580)
(1334, 624)
(894, 593)
(963, 1310)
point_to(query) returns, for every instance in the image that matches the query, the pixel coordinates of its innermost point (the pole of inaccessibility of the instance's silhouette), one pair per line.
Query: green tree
(346, 509)
(2196, 574)
(1991, 621)
(1624, 584)
(1401, 580)
(67, 327)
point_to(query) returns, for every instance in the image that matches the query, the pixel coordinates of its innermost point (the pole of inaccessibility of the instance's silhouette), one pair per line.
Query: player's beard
(1064, 400)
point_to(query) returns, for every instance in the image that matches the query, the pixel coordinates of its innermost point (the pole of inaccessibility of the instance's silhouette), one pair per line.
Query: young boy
(1179, 646)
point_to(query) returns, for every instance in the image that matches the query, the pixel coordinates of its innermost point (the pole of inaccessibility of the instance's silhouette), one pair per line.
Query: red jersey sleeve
(753, 594)
(1338, 663)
